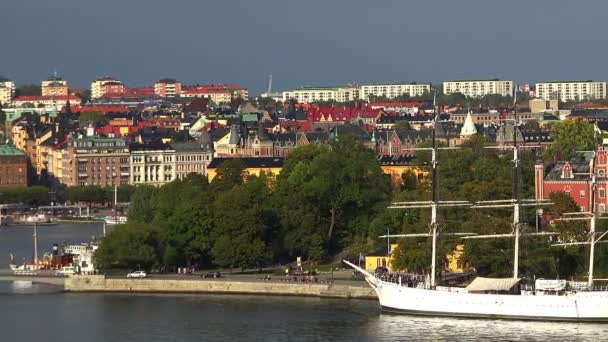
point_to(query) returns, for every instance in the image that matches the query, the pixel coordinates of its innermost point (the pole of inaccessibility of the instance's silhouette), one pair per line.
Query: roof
(580, 170)
(10, 151)
(492, 284)
(395, 160)
(575, 81)
(262, 162)
(47, 98)
(478, 80)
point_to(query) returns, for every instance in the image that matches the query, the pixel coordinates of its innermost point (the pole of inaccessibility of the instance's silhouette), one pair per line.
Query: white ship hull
(589, 306)
(579, 306)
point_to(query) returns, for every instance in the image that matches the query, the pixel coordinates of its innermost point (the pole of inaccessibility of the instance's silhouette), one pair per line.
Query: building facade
(98, 87)
(7, 92)
(571, 90)
(94, 161)
(54, 86)
(13, 167)
(478, 88)
(309, 95)
(168, 87)
(573, 177)
(391, 91)
(218, 93)
(53, 101)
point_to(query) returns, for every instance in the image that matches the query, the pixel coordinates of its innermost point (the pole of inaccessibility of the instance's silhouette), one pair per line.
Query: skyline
(303, 44)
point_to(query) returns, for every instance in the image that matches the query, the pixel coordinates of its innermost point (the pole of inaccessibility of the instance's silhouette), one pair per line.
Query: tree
(330, 194)
(28, 90)
(130, 246)
(243, 240)
(229, 174)
(94, 118)
(142, 207)
(89, 194)
(571, 136)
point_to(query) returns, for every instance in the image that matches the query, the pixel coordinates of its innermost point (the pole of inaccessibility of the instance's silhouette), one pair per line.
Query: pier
(194, 284)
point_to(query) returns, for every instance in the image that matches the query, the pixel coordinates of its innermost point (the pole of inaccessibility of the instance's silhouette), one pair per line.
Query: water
(40, 312)
(18, 240)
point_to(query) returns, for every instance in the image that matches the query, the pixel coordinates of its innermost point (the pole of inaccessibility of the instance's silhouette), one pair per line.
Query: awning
(492, 284)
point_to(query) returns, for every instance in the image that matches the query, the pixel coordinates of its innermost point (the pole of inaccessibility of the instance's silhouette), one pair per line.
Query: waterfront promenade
(171, 283)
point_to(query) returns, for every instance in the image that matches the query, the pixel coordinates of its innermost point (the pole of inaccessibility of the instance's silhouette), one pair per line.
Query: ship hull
(587, 306)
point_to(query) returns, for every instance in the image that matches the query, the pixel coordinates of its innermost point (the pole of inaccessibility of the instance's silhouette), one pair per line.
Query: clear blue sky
(306, 42)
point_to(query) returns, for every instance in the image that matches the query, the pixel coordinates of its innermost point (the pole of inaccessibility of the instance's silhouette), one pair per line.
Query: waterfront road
(340, 277)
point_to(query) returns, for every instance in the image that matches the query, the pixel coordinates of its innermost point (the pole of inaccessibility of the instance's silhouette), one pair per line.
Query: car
(211, 275)
(66, 271)
(137, 274)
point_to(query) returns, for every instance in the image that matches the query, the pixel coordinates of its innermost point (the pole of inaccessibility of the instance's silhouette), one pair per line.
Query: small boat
(115, 219)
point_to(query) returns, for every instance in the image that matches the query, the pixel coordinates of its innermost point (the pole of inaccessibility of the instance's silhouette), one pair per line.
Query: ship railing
(571, 287)
(406, 280)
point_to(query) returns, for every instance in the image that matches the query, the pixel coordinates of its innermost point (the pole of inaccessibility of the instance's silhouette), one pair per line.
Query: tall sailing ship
(501, 298)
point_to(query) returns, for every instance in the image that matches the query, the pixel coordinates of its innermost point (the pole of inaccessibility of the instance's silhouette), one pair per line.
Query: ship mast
(433, 224)
(516, 204)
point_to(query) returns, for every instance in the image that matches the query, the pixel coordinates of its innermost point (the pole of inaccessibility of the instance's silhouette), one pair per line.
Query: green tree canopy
(571, 136)
(130, 246)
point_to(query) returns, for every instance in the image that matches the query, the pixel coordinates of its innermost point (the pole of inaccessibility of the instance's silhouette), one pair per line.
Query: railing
(407, 280)
(569, 287)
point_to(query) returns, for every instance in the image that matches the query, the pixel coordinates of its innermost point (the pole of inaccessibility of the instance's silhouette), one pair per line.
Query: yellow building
(396, 172)
(253, 166)
(372, 262)
(456, 260)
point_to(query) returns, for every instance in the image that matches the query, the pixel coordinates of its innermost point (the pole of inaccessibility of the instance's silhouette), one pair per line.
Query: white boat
(476, 301)
(497, 298)
(115, 219)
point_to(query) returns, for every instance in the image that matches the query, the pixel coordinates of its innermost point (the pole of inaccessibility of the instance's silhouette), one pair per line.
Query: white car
(137, 274)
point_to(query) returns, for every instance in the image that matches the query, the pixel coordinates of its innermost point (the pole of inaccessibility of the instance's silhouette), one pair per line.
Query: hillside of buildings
(217, 179)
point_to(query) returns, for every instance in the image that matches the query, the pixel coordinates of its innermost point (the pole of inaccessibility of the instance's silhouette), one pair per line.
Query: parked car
(211, 275)
(66, 271)
(137, 274)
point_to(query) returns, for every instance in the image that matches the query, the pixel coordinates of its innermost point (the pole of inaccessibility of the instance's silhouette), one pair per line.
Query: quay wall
(99, 283)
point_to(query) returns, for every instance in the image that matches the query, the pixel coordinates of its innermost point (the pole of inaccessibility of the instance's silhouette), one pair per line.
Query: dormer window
(567, 171)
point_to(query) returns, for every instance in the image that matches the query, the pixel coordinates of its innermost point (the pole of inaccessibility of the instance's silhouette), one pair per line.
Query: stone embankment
(99, 283)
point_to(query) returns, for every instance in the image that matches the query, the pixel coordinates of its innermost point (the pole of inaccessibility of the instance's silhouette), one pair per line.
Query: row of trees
(322, 202)
(331, 202)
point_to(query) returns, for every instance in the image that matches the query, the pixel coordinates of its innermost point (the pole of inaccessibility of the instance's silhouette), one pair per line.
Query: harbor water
(40, 312)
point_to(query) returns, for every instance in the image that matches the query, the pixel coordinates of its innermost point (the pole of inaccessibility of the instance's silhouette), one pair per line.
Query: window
(581, 193)
(602, 193)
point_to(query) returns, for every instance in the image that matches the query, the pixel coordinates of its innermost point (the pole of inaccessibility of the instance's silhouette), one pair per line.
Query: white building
(571, 90)
(314, 94)
(7, 91)
(478, 88)
(97, 87)
(163, 163)
(393, 90)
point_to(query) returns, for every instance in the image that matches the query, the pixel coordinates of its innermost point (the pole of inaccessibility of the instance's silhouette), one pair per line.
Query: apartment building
(478, 88)
(218, 93)
(104, 85)
(7, 91)
(391, 91)
(13, 167)
(54, 86)
(94, 161)
(571, 90)
(168, 87)
(51, 101)
(315, 94)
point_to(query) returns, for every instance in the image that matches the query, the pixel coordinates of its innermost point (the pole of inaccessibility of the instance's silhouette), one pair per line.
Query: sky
(302, 43)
